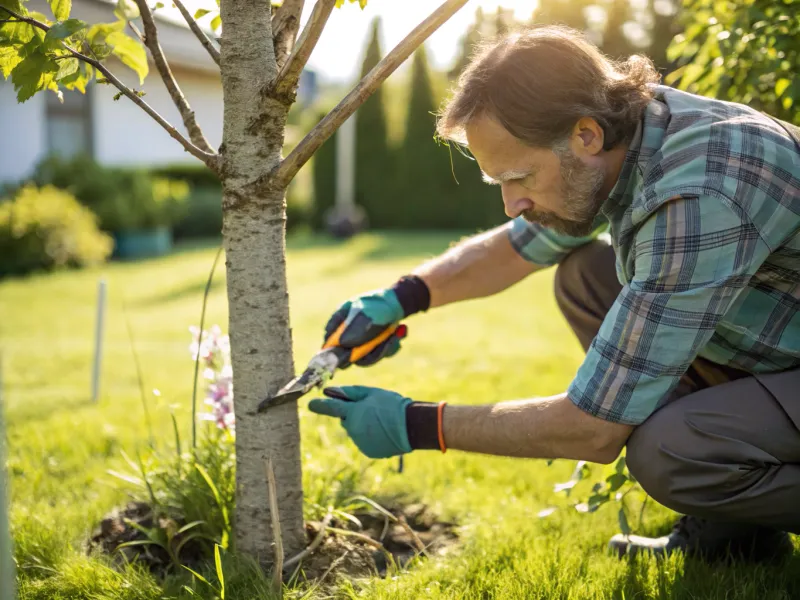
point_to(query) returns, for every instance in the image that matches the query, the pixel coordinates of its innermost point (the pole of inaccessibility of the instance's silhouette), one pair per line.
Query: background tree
(374, 160)
(747, 52)
(475, 33)
(425, 179)
(261, 58)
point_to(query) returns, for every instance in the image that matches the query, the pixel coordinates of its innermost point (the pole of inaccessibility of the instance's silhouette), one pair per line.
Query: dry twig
(313, 545)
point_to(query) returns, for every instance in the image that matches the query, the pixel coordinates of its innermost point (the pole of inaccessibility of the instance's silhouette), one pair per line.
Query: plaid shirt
(705, 223)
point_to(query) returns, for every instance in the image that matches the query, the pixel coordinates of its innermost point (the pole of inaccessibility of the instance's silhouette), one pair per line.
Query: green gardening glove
(366, 317)
(375, 419)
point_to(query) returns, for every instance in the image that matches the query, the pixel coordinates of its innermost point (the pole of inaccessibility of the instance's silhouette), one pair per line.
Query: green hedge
(48, 228)
(421, 184)
(197, 176)
(122, 198)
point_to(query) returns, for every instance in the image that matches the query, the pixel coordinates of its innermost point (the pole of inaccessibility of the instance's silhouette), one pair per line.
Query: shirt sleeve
(543, 246)
(692, 259)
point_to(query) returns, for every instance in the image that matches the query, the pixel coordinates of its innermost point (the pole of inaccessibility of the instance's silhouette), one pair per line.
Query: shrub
(46, 229)
(195, 175)
(123, 199)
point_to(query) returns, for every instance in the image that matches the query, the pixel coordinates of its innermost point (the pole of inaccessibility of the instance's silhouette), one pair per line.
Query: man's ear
(587, 138)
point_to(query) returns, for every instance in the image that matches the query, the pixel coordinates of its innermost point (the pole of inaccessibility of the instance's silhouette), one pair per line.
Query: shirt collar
(645, 142)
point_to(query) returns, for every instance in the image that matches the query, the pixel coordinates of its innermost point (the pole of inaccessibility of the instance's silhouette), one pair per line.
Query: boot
(711, 541)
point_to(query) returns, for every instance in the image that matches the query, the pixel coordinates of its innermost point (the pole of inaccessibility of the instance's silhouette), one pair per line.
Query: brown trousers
(726, 445)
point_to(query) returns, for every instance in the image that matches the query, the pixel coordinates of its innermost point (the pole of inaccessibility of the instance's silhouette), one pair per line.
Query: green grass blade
(178, 449)
(7, 575)
(199, 340)
(200, 577)
(139, 378)
(220, 574)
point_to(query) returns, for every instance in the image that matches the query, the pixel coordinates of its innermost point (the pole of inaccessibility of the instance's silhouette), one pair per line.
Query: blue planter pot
(145, 243)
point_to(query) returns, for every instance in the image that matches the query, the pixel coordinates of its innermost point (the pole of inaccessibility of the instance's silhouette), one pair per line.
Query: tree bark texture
(258, 301)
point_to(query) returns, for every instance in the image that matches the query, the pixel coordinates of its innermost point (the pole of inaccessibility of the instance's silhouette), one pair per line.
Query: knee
(666, 456)
(657, 457)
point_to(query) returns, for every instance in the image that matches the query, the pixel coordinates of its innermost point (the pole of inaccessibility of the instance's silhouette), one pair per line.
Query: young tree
(424, 168)
(261, 57)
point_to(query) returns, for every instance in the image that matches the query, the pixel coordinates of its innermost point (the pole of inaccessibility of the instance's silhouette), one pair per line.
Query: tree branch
(187, 114)
(212, 160)
(283, 174)
(290, 72)
(285, 24)
(201, 35)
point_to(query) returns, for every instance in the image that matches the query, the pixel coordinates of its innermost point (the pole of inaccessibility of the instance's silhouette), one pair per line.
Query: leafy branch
(54, 39)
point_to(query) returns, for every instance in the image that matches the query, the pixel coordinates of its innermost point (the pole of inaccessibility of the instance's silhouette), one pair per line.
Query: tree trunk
(254, 239)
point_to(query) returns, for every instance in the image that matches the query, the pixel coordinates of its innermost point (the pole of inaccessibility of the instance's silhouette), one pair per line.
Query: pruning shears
(323, 364)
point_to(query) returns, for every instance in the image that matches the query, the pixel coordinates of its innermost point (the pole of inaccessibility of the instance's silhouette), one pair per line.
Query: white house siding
(23, 138)
(125, 135)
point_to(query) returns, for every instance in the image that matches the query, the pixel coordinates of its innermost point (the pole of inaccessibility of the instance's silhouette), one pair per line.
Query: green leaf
(624, 527)
(619, 466)
(198, 576)
(616, 481)
(158, 5)
(130, 52)
(63, 30)
(126, 10)
(9, 58)
(780, 86)
(18, 33)
(14, 5)
(67, 67)
(61, 9)
(201, 12)
(33, 74)
(99, 32)
(101, 51)
(216, 23)
(220, 574)
(189, 526)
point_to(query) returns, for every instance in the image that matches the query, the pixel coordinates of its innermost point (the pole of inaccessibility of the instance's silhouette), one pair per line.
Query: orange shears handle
(360, 352)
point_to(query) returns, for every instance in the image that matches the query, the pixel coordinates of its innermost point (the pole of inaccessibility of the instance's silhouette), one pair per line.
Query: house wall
(125, 135)
(23, 139)
(122, 134)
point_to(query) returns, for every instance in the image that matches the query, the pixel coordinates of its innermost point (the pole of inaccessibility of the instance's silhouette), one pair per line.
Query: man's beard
(582, 199)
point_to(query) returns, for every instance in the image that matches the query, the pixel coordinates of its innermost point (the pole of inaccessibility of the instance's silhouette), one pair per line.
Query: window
(69, 124)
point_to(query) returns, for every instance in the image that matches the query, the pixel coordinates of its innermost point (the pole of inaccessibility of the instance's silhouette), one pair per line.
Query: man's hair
(539, 81)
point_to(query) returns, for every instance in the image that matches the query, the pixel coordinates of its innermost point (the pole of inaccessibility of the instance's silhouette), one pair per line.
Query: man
(689, 318)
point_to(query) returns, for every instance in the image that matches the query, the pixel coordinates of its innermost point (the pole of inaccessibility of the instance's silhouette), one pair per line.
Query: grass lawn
(510, 346)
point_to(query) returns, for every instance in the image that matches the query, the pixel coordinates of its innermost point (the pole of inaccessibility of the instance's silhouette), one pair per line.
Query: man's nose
(514, 202)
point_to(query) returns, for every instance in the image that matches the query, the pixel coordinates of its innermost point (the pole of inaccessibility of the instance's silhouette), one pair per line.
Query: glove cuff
(412, 294)
(422, 425)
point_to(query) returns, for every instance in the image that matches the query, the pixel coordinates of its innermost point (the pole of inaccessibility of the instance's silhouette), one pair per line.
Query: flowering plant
(214, 351)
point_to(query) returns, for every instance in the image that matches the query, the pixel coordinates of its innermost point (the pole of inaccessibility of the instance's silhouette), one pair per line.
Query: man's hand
(374, 419)
(367, 316)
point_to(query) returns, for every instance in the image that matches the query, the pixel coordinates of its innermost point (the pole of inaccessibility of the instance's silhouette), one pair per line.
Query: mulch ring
(379, 544)
(373, 545)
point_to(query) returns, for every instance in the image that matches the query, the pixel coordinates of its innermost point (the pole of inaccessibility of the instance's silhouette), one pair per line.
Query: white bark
(253, 232)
